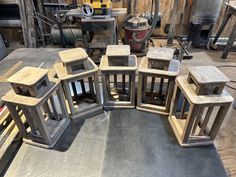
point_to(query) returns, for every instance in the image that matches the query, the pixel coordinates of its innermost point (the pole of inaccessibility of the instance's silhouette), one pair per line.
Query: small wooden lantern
(199, 106)
(160, 71)
(118, 69)
(28, 84)
(160, 57)
(44, 111)
(81, 86)
(73, 59)
(118, 54)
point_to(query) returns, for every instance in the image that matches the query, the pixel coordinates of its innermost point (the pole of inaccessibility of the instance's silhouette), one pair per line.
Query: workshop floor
(226, 139)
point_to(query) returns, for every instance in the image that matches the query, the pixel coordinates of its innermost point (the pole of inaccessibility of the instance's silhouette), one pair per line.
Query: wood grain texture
(117, 50)
(73, 55)
(63, 75)
(160, 53)
(28, 76)
(208, 74)
(226, 139)
(145, 72)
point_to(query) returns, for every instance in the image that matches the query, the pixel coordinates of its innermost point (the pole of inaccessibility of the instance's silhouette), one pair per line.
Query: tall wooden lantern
(157, 72)
(79, 76)
(199, 106)
(118, 69)
(37, 106)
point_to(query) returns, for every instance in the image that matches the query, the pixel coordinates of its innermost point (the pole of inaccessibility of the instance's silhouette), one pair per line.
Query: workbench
(120, 143)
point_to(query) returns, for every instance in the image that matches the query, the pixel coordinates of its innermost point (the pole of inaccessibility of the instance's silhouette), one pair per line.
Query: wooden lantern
(73, 59)
(199, 106)
(81, 86)
(28, 84)
(160, 57)
(118, 69)
(42, 116)
(160, 71)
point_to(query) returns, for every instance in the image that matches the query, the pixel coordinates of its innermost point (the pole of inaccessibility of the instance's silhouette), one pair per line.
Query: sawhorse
(229, 12)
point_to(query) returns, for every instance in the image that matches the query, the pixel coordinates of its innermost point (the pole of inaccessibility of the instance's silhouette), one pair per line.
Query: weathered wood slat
(10, 140)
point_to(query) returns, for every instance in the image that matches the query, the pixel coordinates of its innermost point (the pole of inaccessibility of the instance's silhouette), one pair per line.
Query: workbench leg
(171, 33)
(229, 43)
(226, 19)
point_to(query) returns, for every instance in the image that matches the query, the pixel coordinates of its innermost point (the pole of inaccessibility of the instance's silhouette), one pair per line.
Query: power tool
(96, 7)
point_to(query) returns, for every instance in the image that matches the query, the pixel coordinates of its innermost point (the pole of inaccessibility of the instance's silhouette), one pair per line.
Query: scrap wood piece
(5, 118)
(9, 139)
(9, 146)
(9, 72)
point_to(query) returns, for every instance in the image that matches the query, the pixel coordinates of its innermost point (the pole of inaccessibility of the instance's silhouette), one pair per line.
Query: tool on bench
(96, 7)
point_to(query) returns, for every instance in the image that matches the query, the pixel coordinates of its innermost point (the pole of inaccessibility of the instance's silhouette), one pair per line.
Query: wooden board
(73, 55)
(28, 76)
(30, 101)
(189, 91)
(173, 69)
(207, 75)
(9, 138)
(132, 64)
(160, 53)
(118, 50)
(9, 72)
(63, 75)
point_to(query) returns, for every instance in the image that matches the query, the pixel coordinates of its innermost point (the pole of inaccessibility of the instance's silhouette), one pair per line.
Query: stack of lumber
(10, 139)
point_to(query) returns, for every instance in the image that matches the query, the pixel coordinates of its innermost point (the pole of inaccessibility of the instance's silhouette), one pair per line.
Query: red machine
(136, 28)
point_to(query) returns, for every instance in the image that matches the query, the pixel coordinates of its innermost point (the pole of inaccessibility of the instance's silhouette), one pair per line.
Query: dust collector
(204, 14)
(137, 29)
